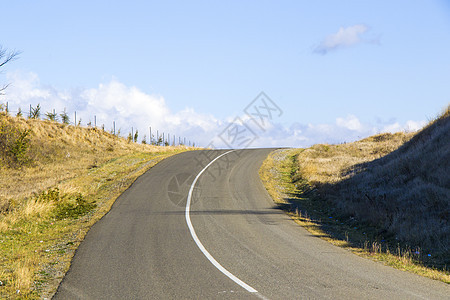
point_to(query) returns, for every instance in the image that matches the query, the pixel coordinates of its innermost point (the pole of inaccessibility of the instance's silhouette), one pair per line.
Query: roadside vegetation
(57, 180)
(386, 197)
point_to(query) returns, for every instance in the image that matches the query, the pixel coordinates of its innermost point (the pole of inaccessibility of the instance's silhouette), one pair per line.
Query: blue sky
(339, 70)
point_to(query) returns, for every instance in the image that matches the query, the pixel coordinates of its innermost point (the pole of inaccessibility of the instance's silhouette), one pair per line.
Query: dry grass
(60, 152)
(386, 196)
(331, 163)
(36, 245)
(24, 276)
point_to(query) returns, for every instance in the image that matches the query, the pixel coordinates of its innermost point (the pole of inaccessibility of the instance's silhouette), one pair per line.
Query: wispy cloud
(130, 107)
(345, 37)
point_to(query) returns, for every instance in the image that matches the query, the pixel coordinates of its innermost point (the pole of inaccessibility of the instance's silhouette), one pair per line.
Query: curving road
(237, 246)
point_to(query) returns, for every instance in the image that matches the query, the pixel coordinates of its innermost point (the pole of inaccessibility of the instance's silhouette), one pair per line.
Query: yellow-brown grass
(60, 152)
(37, 246)
(328, 163)
(386, 196)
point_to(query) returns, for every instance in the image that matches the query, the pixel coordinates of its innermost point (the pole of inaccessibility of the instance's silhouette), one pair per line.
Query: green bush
(65, 117)
(35, 112)
(73, 208)
(51, 195)
(67, 206)
(51, 116)
(14, 144)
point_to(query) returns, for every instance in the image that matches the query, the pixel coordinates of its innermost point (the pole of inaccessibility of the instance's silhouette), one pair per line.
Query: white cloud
(346, 129)
(414, 126)
(392, 127)
(131, 107)
(409, 126)
(345, 37)
(351, 122)
(111, 102)
(126, 104)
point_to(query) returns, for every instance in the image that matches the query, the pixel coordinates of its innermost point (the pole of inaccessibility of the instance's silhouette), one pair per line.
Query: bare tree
(5, 57)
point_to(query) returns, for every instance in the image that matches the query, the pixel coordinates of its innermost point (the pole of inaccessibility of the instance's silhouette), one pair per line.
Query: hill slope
(405, 193)
(54, 152)
(56, 180)
(386, 194)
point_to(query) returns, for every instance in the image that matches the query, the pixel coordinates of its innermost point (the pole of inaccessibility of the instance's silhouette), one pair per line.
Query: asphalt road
(143, 248)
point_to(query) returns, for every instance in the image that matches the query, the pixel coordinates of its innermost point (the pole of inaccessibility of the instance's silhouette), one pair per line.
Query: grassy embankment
(56, 181)
(386, 197)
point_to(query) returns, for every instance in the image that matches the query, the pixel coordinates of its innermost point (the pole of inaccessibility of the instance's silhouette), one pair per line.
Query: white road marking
(197, 240)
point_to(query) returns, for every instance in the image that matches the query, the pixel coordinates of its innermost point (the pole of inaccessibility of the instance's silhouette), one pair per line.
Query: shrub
(51, 195)
(51, 116)
(14, 144)
(35, 112)
(136, 135)
(66, 206)
(65, 117)
(73, 207)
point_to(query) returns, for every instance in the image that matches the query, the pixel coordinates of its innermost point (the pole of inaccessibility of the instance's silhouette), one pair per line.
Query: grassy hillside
(56, 181)
(387, 194)
(406, 193)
